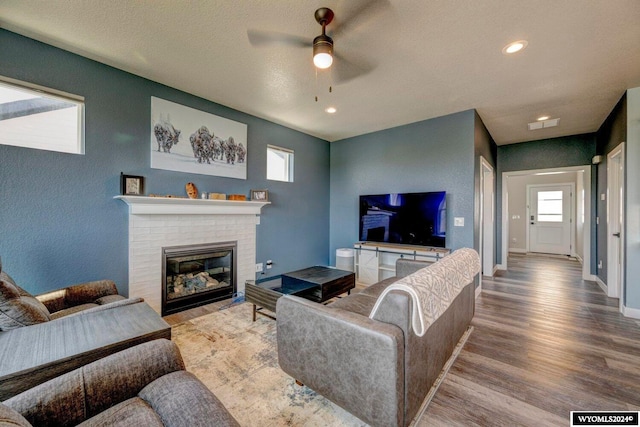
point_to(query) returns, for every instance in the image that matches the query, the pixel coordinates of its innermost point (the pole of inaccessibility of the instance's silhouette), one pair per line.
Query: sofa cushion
(356, 303)
(109, 299)
(11, 418)
(18, 309)
(376, 289)
(131, 412)
(72, 310)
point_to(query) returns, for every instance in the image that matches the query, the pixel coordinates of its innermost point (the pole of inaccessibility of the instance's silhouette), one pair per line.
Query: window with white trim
(279, 164)
(35, 117)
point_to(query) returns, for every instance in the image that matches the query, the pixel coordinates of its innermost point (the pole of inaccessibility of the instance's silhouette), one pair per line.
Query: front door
(550, 219)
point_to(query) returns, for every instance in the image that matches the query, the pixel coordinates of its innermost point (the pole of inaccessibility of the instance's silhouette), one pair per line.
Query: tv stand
(377, 261)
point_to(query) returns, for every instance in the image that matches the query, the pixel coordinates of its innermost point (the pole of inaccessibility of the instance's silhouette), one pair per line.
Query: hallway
(545, 342)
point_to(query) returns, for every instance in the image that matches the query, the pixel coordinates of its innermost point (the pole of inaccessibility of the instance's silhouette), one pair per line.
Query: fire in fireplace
(194, 275)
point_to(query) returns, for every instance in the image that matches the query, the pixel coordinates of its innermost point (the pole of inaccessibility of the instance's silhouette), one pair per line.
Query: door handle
(616, 234)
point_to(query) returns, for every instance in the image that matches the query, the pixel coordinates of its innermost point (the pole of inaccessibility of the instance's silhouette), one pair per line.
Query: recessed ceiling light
(543, 118)
(330, 110)
(514, 47)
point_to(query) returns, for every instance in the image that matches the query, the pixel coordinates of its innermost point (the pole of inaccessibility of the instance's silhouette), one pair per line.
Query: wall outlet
(514, 240)
(458, 221)
(600, 264)
(269, 264)
(259, 267)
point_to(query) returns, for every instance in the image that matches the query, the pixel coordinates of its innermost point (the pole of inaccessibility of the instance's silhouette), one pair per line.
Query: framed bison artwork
(184, 139)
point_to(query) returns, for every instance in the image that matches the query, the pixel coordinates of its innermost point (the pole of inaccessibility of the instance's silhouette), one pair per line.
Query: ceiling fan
(323, 48)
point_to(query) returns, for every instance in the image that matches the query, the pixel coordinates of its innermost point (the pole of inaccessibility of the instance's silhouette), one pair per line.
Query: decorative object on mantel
(131, 185)
(184, 139)
(260, 195)
(237, 197)
(192, 190)
(217, 196)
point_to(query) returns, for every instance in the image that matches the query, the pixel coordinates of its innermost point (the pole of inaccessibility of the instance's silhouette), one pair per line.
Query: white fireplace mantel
(142, 205)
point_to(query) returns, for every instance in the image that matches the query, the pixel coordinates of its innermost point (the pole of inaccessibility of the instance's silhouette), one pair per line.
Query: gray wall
(632, 208)
(575, 150)
(431, 155)
(59, 221)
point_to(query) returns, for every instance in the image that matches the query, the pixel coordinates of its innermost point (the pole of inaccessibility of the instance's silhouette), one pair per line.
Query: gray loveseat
(376, 368)
(145, 385)
(47, 335)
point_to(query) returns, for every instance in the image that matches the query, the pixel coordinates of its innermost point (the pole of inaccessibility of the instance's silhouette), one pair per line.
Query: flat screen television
(404, 218)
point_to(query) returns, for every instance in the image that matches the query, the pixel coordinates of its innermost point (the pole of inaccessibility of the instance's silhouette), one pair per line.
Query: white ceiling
(433, 57)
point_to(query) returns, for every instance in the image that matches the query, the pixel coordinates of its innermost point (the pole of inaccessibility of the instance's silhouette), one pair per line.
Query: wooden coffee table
(318, 283)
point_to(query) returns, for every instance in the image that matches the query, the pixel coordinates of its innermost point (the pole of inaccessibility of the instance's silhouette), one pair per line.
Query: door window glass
(549, 206)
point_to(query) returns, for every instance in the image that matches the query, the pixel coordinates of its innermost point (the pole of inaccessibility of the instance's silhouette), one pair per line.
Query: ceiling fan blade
(367, 11)
(265, 38)
(345, 70)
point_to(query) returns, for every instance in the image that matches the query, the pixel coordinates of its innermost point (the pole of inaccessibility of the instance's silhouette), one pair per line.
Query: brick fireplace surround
(157, 222)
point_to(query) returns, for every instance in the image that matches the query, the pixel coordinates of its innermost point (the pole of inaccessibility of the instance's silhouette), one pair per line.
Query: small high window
(36, 117)
(279, 164)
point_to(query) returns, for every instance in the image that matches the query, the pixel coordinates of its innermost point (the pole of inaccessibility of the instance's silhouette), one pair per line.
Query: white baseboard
(578, 257)
(634, 313)
(478, 291)
(600, 283)
(518, 250)
(501, 267)
(495, 268)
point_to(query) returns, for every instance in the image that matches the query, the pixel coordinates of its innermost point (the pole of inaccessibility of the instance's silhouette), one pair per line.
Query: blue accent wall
(575, 150)
(431, 155)
(59, 222)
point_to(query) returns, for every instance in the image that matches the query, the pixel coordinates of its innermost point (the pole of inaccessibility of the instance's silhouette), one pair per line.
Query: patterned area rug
(236, 358)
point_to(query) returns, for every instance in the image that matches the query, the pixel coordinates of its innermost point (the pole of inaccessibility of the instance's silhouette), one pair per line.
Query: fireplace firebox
(194, 275)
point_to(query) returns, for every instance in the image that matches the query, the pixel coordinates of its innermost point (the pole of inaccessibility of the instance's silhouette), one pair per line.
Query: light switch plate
(458, 221)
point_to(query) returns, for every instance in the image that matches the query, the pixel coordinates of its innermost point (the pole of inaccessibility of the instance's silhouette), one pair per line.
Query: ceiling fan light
(322, 51)
(322, 60)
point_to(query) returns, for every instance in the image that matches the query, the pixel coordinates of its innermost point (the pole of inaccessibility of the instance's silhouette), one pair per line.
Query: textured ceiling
(429, 58)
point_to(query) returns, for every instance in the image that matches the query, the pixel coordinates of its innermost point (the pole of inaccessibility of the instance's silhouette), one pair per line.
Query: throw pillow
(17, 309)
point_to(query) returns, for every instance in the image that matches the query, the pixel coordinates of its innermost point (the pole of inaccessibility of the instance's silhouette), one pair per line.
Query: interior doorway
(583, 202)
(615, 219)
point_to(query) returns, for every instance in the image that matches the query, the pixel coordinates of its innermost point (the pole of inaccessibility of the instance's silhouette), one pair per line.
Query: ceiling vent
(544, 124)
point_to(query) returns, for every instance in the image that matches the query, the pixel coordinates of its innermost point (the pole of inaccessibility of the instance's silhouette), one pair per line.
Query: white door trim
(586, 241)
(486, 204)
(617, 289)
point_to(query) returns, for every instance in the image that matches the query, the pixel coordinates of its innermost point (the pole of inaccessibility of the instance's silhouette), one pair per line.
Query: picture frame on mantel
(260, 195)
(131, 185)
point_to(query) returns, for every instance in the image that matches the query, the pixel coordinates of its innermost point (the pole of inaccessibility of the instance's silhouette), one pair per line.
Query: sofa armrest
(81, 394)
(82, 293)
(356, 362)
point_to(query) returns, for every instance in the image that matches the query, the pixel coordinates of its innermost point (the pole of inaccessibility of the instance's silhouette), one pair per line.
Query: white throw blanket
(433, 289)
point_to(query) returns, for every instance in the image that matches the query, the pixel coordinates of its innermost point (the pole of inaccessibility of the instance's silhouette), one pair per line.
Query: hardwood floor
(545, 343)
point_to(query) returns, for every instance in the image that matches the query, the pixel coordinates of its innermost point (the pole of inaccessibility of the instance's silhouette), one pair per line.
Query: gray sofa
(47, 335)
(376, 368)
(145, 385)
